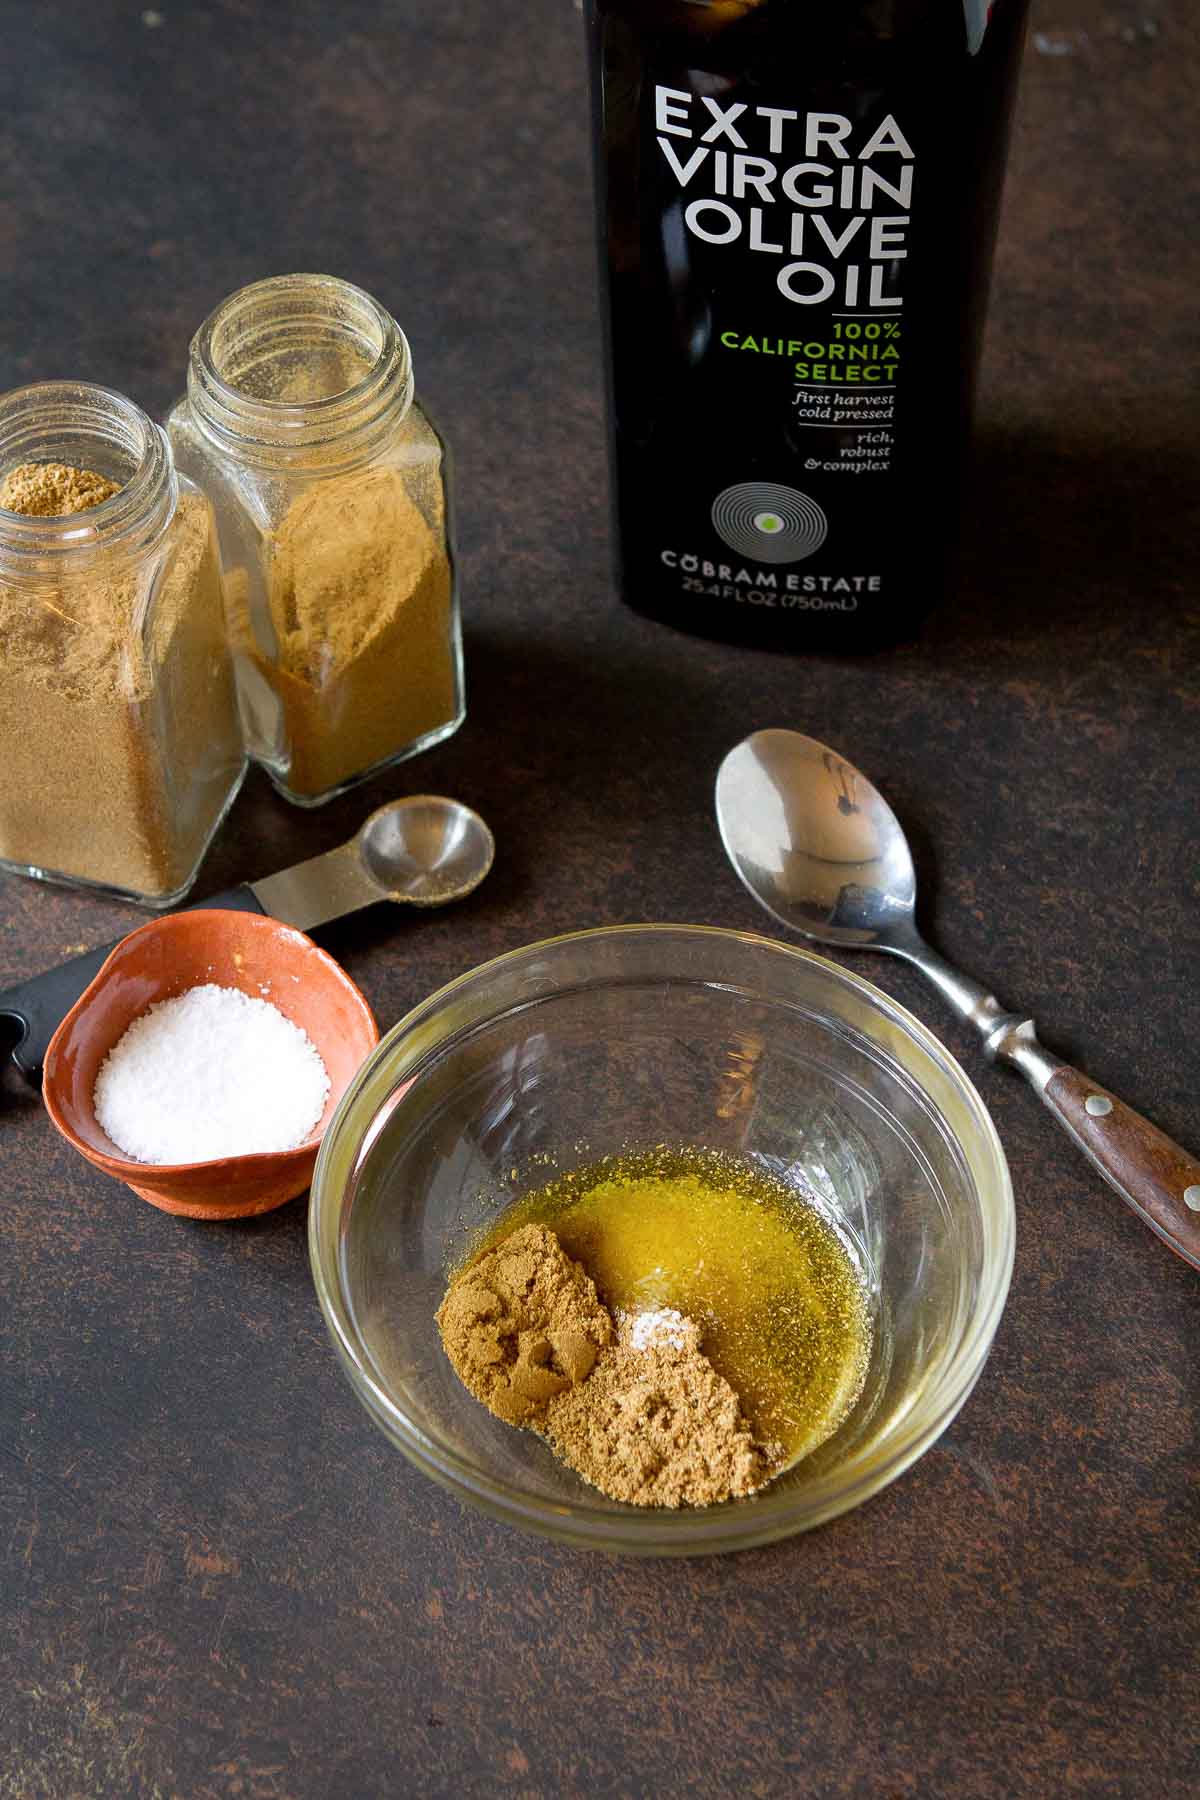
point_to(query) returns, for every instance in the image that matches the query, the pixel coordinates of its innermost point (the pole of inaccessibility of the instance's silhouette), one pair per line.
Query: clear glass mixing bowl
(569, 1050)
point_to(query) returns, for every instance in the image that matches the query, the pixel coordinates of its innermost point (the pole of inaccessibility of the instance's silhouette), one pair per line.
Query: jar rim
(267, 321)
(83, 424)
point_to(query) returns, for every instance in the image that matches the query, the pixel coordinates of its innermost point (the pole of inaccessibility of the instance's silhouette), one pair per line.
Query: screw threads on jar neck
(300, 372)
(93, 428)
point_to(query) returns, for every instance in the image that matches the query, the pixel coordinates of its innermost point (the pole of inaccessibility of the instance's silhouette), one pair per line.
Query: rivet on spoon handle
(1157, 1178)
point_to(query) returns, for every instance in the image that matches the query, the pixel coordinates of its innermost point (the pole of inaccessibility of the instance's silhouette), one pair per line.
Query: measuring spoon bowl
(425, 849)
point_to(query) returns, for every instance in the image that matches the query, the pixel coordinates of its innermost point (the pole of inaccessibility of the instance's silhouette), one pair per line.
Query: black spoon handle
(39, 1006)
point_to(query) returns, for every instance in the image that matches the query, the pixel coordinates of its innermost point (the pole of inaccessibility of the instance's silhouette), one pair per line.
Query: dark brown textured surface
(217, 1578)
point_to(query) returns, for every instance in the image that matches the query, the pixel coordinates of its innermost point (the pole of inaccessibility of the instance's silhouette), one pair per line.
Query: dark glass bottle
(797, 207)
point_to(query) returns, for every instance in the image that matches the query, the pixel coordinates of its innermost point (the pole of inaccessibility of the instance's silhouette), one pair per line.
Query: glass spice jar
(330, 489)
(119, 735)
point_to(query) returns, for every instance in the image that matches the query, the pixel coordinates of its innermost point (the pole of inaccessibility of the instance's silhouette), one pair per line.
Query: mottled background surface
(217, 1579)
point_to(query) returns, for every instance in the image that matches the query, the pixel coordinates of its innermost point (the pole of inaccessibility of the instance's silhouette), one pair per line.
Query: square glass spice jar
(330, 489)
(119, 737)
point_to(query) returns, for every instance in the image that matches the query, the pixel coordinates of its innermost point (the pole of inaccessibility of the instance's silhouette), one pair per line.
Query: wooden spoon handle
(1158, 1180)
(1152, 1174)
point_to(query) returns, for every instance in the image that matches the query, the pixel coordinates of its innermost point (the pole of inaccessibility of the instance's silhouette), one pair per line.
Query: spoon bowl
(425, 849)
(814, 841)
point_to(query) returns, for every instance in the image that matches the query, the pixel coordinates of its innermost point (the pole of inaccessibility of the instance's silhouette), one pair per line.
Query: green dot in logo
(769, 522)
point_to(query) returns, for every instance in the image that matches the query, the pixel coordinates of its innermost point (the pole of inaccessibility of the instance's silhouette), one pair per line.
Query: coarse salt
(208, 1074)
(662, 1326)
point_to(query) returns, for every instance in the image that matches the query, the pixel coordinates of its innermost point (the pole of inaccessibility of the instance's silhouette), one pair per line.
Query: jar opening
(91, 428)
(297, 344)
(83, 426)
(299, 366)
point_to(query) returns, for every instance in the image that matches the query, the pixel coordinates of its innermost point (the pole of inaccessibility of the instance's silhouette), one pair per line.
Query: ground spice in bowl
(655, 1425)
(118, 723)
(633, 1406)
(523, 1325)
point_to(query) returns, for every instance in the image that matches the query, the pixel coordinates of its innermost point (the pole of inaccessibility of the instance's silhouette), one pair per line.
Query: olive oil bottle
(797, 208)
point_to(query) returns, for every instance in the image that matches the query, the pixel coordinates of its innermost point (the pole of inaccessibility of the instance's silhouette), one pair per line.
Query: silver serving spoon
(423, 850)
(821, 849)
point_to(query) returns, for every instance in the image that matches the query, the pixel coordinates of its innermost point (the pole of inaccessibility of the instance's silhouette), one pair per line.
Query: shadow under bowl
(162, 959)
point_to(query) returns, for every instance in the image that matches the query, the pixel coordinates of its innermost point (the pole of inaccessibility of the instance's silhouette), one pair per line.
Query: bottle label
(798, 254)
(830, 201)
(826, 203)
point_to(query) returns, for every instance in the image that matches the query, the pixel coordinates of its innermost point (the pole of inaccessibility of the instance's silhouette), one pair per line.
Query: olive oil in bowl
(784, 1312)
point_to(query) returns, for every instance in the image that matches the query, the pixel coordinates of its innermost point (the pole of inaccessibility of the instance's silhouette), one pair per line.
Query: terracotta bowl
(266, 960)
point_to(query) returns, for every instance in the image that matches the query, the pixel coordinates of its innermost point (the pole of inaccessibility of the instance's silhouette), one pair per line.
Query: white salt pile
(662, 1326)
(211, 1073)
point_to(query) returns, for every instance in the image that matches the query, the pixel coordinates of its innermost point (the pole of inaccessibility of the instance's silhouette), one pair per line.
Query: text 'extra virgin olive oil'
(797, 203)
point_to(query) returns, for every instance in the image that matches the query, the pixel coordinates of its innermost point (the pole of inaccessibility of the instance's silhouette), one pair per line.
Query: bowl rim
(659, 1531)
(246, 1164)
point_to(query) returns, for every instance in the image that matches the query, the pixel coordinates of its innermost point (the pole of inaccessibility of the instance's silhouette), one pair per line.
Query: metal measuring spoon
(824, 853)
(423, 850)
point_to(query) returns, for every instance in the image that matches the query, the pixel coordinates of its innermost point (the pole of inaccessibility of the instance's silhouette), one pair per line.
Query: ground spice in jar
(359, 605)
(48, 490)
(637, 1409)
(118, 738)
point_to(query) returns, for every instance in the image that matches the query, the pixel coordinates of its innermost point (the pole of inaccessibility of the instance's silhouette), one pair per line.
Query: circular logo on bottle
(768, 523)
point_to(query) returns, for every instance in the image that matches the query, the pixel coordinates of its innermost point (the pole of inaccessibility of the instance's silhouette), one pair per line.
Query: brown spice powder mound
(658, 1427)
(523, 1324)
(50, 490)
(649, 1425)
